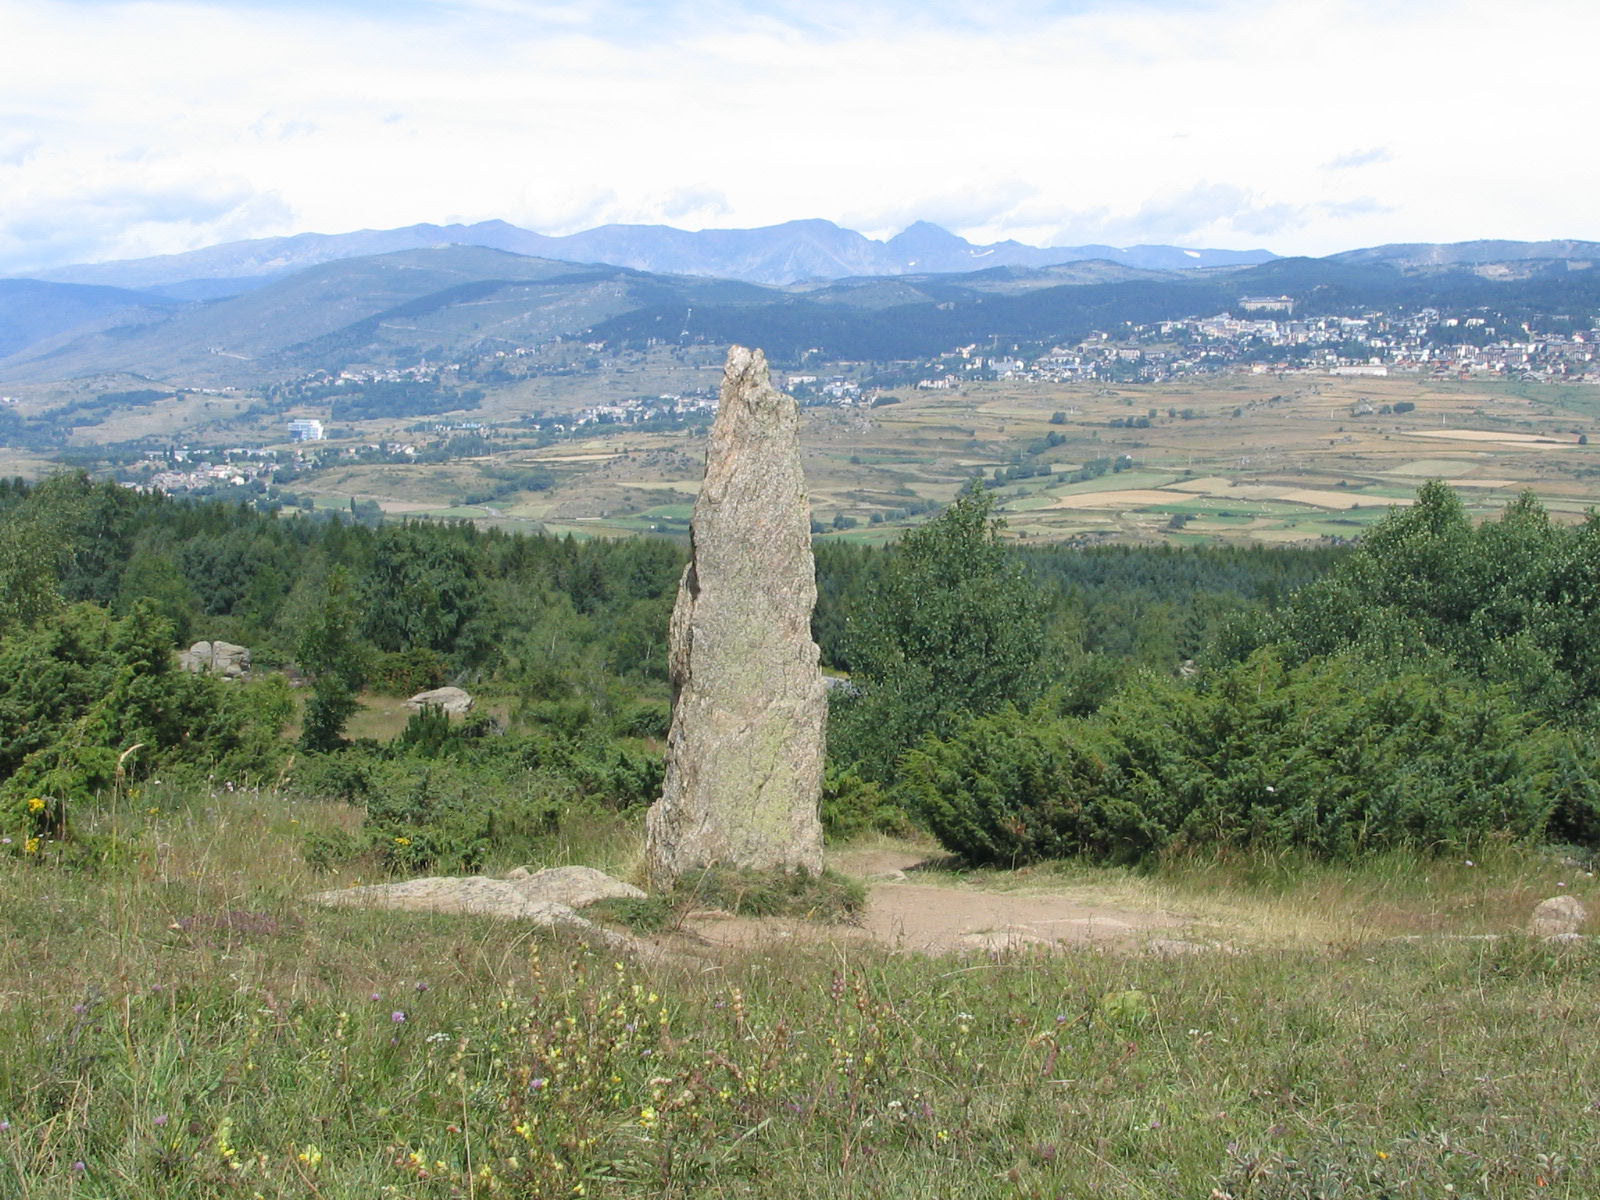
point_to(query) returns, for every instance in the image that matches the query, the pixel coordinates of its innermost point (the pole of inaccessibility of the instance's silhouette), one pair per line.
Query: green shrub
(823, 897)
(852, 806)
(90, 702)
(1329, 757)
(325, 849)
(441, 816)
(407, 672)
(1009, 789)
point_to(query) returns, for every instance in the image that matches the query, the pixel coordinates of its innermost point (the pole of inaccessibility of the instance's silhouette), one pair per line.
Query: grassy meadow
(182, 1022)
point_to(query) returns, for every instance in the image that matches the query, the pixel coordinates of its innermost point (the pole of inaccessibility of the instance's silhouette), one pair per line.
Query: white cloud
(1303, 125)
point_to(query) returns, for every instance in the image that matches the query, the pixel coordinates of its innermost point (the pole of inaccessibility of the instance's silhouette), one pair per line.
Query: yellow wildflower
(36, 805)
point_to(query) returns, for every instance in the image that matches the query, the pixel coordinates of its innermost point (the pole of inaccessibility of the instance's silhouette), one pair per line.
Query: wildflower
(421, 986)
(31, 846)
(397, 1017)
(377, 995)
(1383, 1154)
(36, 805)
(78, 1168)
(402, 841)
(161, 1119)
(1470, 863)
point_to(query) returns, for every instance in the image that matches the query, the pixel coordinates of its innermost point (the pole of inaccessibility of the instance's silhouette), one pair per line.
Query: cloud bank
(1307, 126)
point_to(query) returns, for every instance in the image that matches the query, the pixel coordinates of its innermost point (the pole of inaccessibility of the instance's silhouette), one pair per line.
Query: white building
(306, 429)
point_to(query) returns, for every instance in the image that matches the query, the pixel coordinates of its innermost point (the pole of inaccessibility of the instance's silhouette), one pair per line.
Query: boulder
(196, 659)
(1559, 914)
(216, 658)
(229, 660)
(744, 751)
(453, 700)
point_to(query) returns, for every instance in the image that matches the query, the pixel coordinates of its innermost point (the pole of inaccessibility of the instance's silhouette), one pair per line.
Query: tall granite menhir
(744, 754)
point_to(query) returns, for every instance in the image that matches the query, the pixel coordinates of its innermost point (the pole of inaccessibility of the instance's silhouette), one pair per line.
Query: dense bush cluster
(1331, 757)
(1437, 687)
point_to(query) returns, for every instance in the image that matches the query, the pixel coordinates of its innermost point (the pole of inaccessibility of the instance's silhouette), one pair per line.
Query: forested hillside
(1432, 686)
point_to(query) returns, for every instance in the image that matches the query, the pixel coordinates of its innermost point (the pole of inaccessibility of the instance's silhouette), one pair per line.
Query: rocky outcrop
(453, 700)
(216, 658)
(744, 752)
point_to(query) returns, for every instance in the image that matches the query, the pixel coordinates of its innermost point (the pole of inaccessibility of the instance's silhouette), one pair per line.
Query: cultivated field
(1254, 457)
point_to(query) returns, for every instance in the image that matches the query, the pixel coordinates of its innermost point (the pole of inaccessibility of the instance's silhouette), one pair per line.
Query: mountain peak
(925, 235)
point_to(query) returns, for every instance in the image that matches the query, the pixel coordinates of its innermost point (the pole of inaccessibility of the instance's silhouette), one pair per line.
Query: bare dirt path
(950, 916)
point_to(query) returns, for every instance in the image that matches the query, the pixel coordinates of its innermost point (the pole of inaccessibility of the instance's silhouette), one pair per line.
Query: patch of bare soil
(938, 918)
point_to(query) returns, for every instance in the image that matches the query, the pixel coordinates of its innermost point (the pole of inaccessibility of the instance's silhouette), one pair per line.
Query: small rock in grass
(1564, 939)
(1175, 947)
(1559, 914)
(1000, 941)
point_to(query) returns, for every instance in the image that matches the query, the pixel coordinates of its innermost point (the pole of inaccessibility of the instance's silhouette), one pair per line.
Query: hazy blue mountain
(32, 310)
(774, 254)
(440, 304)
(389, 309)
(1455, 254)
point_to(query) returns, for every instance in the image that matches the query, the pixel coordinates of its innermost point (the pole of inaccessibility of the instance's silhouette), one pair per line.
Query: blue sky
(1305, 126)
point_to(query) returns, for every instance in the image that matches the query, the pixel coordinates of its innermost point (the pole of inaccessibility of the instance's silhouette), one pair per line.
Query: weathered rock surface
(744, 753)
(1559, 914)
(573, 886)
(453, 700)
(484, 896)
(216, 658)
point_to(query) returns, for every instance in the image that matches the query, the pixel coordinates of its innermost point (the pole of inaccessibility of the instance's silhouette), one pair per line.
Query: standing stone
(744, 754)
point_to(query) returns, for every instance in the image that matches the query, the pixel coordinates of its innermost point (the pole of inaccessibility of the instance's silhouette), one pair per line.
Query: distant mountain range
(310, 306)
(399, 308)
(775, 254)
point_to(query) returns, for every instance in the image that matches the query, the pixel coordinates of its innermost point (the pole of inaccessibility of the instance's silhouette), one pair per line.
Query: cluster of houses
(1426, 342)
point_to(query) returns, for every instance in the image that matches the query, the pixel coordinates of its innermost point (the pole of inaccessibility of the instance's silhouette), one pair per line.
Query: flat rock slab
(446, 894)
(482, 896)
(572, 886)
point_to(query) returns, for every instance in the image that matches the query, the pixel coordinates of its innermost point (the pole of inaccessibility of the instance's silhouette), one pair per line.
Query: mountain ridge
(790, 252)
(396, 309)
